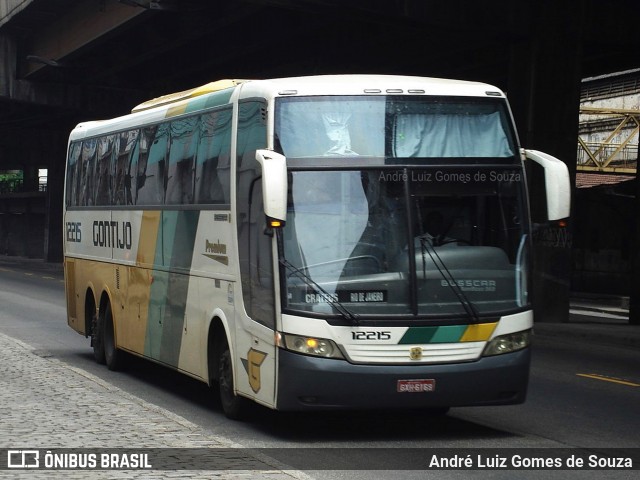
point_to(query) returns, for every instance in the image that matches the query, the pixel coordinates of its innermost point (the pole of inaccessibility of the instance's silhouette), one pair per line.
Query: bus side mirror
(557, 184)
(274, 184)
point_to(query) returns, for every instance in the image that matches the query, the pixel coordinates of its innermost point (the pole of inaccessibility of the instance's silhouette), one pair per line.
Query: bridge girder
(605, 156)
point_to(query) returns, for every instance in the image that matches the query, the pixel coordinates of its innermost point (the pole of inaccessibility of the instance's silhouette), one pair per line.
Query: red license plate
(416, 386)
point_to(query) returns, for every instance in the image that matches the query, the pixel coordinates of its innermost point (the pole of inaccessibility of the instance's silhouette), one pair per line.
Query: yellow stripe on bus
(140, 280)
(478, 332)
(148, 237)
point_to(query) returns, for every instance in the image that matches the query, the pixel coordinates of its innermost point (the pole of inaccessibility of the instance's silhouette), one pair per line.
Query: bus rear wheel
(114, 358)
(234, 406)
(97, 338)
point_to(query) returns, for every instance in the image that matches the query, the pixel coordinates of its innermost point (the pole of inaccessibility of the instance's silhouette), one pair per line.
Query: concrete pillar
(634, 300)
(29, 177)
(544, 91)
(55, 189)
(7, 65)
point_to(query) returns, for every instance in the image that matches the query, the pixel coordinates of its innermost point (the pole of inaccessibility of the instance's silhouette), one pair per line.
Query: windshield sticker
(362, 296)
(320, 298)
(347, 296)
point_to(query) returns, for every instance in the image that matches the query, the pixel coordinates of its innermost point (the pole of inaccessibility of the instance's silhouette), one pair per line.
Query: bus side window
(103, 170)
(255, 258)
(73, 177)
(87, 165)
(124, 167)
(150, 171)
(184, 141)
(212, 165)
(261, 261)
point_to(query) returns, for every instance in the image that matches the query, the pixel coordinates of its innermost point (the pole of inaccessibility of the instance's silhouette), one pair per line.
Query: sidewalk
(53, 405)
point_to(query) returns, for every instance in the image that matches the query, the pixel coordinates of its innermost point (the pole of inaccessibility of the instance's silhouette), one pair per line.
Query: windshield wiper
(469, 307)
(309, 282)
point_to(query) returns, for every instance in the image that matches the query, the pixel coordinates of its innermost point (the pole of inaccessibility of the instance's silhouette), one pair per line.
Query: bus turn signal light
(318, 347)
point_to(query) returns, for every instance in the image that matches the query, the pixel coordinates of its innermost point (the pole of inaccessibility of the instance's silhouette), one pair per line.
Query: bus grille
(431, 353)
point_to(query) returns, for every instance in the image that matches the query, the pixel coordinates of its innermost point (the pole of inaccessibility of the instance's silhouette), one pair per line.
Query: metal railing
(619, 151)
(610, 157)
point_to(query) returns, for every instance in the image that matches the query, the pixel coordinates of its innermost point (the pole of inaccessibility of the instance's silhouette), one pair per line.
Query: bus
(311, 243)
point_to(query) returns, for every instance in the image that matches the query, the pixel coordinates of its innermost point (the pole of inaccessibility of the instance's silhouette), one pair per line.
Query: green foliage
(11, 175)
(11, 181)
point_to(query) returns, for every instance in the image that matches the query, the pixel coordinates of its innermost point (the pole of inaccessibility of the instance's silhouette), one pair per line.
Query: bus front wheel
(233, 406)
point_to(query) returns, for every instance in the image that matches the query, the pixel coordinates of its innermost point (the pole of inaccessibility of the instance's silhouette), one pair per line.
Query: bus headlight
(318, 347)
(511, 342)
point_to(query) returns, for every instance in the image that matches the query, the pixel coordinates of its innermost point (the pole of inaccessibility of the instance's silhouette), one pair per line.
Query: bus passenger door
(256, 322)
(255, 339)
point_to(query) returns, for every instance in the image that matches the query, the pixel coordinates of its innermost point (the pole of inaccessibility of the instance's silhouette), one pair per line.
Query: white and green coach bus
(311, 243)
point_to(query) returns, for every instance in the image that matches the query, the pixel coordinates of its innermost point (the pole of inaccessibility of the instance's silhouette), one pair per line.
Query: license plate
(416, 386)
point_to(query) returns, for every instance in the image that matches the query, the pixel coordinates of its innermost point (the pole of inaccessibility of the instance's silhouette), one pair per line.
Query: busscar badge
(415, 353)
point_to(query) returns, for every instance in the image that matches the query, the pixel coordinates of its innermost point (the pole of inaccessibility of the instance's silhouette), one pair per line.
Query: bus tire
(233, 406)
(97, 338)
(114, 357)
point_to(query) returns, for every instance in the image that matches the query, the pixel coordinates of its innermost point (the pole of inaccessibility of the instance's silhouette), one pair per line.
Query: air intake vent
(117, 278)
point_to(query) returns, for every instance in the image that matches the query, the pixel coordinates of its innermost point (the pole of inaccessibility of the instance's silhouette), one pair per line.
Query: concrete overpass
(63, 61)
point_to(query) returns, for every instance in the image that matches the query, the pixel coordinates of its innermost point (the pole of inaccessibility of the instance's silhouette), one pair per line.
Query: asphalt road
(581, 395)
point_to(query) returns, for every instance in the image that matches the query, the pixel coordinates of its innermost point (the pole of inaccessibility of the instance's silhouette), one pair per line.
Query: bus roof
(187, 94)
(220, 92)
(368, 85)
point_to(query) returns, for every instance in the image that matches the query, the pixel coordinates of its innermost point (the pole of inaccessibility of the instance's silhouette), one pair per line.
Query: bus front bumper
(313, 383)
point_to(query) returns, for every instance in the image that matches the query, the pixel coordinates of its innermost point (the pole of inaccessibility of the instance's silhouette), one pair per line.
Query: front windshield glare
(402, 242)
(393, 127)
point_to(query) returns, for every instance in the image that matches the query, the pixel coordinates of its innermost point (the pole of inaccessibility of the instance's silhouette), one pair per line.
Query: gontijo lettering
(112, 234)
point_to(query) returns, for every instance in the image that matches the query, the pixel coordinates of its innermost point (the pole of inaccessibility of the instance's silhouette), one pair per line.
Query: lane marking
(31, 274)
(604, 378)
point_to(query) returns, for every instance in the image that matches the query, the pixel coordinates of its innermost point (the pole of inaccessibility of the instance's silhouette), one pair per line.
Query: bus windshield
(394, 127)
(412, 233)
(412, 241)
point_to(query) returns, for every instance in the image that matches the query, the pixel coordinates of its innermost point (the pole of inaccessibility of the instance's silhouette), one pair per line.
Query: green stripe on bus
(200, 103)
(210, 100)
(168, 297)
(180, 232)
(222, 97)
(442, 334)
(418, 335)
(157, 297)
(449, 334)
